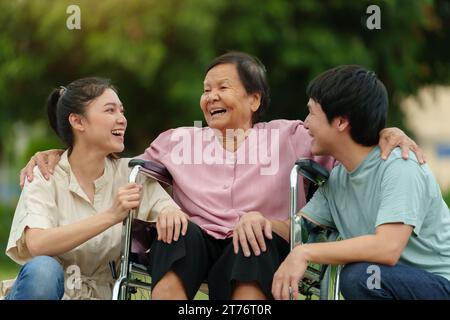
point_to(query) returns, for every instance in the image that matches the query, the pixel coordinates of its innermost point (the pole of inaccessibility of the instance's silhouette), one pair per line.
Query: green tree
(156, 51)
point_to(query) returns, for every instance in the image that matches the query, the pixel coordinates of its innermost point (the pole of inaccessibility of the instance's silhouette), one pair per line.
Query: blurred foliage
(6, 216)
(156, 51)
(447, 199)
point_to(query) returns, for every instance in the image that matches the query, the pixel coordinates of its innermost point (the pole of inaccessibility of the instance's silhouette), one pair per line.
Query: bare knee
(248, 291)
(170, 287)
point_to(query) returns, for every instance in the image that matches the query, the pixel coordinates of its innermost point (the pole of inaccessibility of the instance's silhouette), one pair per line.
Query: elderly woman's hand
(249, 230)
(169, 223)
(391, 138)
(46, 162)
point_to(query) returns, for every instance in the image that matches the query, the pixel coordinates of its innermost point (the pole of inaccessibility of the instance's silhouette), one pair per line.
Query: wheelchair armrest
(312, 233)
(143, 233)
(153, 169)
(313, 171)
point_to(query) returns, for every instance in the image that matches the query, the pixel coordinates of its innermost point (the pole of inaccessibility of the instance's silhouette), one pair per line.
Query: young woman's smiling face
(105, 123)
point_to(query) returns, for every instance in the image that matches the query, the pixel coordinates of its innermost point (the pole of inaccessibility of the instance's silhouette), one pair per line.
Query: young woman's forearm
(56, 241)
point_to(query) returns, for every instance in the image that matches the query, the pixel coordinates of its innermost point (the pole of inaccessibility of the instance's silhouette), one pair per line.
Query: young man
(390, 214)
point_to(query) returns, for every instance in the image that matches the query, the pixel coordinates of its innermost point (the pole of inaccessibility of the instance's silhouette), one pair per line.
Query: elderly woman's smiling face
(225, 102)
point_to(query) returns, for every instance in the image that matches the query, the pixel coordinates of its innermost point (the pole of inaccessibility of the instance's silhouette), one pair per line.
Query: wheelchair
(134, 282)
(321, 281)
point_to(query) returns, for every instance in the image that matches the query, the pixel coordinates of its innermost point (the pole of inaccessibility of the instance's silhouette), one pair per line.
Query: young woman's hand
(170, 223)
(127, 198)
(45, 160)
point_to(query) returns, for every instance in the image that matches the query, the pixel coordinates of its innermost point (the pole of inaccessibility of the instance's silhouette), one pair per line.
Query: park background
(156, 52)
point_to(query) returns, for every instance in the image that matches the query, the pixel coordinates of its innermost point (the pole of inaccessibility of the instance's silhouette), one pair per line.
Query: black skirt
(198, 257)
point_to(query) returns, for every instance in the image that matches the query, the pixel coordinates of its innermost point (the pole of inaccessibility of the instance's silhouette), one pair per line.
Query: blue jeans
(41, 278)
(358, 281)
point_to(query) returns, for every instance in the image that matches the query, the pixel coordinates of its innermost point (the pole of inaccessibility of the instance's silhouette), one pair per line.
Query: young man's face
(319, 129)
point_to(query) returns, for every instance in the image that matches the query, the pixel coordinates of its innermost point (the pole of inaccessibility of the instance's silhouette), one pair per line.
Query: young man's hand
(291, 271)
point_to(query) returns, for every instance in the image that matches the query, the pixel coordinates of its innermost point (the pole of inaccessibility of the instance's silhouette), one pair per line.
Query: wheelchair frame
(125, 283)
(323, 283)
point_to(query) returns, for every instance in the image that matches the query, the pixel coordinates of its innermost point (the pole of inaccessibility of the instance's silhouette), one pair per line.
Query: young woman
(70, 225)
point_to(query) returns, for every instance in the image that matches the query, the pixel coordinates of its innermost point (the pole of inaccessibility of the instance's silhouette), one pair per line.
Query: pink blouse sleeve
(158, 148)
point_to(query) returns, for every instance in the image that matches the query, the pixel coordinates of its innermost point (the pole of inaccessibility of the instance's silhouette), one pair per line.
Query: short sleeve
(403, 189)
(36, 209)
(318, 209)
(158, 148)
(154, 199)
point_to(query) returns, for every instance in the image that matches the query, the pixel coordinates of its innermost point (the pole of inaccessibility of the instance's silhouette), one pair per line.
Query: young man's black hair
(355, 93)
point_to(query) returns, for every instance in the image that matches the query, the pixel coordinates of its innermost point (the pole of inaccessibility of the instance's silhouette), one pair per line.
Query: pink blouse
(216, 187)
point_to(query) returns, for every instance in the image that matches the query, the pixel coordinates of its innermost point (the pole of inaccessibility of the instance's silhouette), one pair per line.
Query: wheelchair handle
(312, 171)
(152, 169)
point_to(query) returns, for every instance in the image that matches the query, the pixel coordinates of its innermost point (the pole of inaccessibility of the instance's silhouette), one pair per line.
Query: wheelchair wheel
(136, 289)
(137, 286)
(140, 293)
(329, 285)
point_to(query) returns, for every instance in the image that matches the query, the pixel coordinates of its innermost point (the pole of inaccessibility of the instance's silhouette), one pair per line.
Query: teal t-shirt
(379, 192)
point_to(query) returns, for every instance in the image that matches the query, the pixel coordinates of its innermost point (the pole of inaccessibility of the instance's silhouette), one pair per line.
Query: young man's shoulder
(411, 165)
(337, 173)
(374, 161)
(396, 154)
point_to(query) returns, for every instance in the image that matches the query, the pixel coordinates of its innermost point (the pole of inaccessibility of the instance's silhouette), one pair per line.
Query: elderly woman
(231, 178)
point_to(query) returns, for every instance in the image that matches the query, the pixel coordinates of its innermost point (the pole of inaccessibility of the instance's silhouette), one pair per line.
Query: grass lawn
(8, 269)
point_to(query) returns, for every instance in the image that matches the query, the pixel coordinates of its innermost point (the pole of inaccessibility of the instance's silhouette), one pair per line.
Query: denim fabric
(41, 278)
(399, 282)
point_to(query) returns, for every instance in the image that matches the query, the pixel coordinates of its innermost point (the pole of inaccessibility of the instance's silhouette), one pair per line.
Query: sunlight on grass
(8, 270)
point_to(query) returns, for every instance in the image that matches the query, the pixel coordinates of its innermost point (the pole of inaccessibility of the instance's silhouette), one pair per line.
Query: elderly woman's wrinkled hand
(250, 230)
(170, 223)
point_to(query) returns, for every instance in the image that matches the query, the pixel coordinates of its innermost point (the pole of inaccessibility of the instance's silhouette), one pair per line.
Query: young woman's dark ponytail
(52, 105)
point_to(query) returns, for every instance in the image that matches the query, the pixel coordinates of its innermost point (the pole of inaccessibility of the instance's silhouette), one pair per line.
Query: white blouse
(61, 201)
